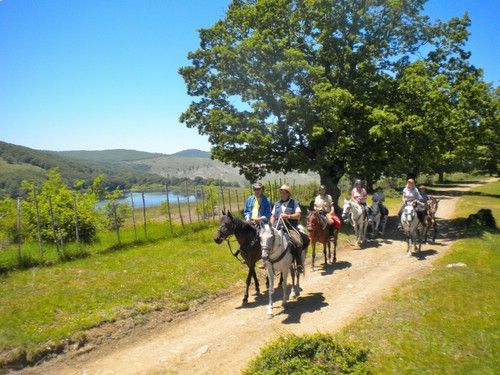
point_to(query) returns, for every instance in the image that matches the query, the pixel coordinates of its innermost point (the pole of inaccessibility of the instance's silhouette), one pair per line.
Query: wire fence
(130, 220)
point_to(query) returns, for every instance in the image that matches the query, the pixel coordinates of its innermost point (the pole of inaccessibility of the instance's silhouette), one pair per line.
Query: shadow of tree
(328, 269)
(304, 304)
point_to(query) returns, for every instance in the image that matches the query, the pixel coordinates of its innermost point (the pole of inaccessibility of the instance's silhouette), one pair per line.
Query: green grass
(47, 305)
(449, 321)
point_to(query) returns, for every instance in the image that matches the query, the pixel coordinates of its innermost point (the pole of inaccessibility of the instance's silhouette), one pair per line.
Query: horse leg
(408, 240)
(256, 281)
(284, 287)
(295, 283)
(270, 276)
(335, 236)
(313, 254)
(248, 281)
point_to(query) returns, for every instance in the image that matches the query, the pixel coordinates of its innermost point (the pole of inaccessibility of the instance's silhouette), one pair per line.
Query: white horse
(412, 227)
(379, 218)
(355, 215)
(277, 257)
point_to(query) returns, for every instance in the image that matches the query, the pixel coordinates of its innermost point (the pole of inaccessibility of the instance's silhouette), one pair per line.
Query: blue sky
(94, 75)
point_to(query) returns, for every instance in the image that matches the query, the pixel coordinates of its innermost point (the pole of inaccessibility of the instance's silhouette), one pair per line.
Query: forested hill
(112, 156)
(18, 163)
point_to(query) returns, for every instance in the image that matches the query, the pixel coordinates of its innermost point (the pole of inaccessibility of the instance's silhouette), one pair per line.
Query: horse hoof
(270, 315)
(245, 301)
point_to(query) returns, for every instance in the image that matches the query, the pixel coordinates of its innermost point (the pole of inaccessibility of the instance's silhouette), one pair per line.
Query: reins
(236, 253)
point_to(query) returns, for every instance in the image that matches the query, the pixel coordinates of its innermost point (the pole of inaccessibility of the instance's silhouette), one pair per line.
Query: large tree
(286, 85)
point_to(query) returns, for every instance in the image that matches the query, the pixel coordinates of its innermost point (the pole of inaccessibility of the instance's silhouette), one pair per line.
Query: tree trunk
(330, 179)
(440, 177)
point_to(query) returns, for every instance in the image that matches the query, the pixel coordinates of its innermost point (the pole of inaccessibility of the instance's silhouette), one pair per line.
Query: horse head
(266, 234)
(313, 220)
(346, 210)
(226, 227)
(409, 213)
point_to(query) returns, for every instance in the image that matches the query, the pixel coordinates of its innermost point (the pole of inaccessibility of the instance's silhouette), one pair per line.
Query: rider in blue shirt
(257, 207)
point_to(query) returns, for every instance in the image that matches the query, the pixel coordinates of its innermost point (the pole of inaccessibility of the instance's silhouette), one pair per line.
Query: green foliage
(308, 354)
(63, 211)
(329, 86)
(116, 213)
(8, 221)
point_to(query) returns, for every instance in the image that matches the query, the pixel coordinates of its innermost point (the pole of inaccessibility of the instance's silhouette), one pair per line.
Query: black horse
(249, 242)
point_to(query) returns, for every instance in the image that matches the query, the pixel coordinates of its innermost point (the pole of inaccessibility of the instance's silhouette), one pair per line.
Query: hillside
(18, 163)
(111, 156)
(191, 167)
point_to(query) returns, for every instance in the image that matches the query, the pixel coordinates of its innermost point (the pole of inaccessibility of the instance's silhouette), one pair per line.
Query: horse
(322, 235)
(412, 227)
(354, 213)
(379, 218)
(430, 218)
(249, 243)
(277, 257)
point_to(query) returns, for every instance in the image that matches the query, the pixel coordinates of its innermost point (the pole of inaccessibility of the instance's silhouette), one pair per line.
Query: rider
(379, 198)
(286, 212)
(358, 195)
(411, 194)
(257, 207)
(323, 203)
(423, 193)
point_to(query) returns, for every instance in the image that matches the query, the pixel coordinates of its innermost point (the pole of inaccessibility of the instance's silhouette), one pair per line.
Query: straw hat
(286, 188)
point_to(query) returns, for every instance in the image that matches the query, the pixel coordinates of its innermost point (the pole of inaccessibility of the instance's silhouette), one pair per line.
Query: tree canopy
(363, 87)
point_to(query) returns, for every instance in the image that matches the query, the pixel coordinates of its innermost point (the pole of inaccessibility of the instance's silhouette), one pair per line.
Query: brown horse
(318, 234)
(249, 242)
(430, 218)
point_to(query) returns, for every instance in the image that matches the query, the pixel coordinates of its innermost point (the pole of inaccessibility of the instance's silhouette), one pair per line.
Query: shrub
(309, 354)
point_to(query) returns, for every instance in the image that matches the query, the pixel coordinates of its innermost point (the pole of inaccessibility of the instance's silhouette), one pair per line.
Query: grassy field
(44, 306)
(449, 321)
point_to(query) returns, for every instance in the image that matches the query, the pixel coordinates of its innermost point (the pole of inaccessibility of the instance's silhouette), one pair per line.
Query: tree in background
(63, 210)
(306, 85)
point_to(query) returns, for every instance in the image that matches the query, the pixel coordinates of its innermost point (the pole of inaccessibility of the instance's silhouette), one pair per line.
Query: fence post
(77, 234)
(53, 223)
(133, 214)
(144, 216)
(115, 206)
(237, 200)
(168, 209)
(222, 196)
(197, 204)
(189, 205)
(38, 233)
(229, 198)
(180, 213)
(19, 228)
(203, 207)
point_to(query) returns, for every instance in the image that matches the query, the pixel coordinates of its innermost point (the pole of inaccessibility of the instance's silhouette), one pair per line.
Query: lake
(151, 199)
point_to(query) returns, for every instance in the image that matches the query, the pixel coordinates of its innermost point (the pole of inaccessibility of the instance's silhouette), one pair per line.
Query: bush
(309, 354)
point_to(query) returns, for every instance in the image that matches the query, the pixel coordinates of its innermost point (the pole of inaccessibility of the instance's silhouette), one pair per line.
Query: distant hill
(193, 153)
(112, 156)
(18, 163)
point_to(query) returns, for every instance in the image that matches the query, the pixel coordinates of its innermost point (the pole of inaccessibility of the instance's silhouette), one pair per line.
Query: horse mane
(241, 225)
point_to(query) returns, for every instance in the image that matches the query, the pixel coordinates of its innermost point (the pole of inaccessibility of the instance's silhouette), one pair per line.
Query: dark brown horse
(430, 218)
(249, 242)
(318, 234)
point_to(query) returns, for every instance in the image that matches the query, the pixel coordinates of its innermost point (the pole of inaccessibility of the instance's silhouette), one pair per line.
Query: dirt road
(221, 337)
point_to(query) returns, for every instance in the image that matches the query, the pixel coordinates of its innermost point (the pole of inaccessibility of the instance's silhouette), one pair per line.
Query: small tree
(116, 213)
(63, 210)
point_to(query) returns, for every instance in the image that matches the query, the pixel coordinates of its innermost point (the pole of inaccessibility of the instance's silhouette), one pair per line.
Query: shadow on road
(304, 304)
